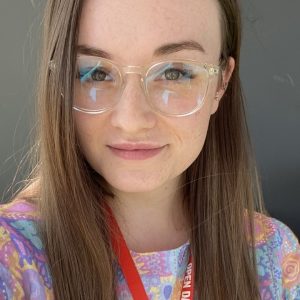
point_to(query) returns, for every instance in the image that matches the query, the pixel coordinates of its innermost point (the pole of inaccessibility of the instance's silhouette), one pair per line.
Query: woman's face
(130, 31)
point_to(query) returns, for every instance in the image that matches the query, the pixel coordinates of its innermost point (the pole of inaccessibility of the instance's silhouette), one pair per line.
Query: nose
(133, 114)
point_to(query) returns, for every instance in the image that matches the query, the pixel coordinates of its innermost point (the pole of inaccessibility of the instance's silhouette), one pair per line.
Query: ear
(223, 83)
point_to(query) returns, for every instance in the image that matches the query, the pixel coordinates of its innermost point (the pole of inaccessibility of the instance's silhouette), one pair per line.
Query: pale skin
(147, 205)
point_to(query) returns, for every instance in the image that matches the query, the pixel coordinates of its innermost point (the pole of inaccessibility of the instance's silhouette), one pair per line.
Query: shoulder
(19, 209)
(18, 223)
(278, 258)
(23, 266)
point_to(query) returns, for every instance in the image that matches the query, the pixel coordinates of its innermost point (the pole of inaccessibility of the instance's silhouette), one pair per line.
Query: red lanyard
(130, 272)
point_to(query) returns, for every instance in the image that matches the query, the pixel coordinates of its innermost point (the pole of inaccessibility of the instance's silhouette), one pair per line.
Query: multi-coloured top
(24, 273)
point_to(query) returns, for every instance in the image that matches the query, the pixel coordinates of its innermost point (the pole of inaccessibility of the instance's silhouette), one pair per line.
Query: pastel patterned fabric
(24, 273)
(161, 273)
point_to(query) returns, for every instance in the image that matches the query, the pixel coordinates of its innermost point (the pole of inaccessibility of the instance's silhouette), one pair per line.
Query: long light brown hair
(221, 188)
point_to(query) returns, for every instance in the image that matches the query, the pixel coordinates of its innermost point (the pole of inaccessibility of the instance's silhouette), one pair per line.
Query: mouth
(135, 151)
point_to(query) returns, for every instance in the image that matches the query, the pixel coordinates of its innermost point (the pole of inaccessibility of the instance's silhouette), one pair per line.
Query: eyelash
(87, 74)
(183, 73)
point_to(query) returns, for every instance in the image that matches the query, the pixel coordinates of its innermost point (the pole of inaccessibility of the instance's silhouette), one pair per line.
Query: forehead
(130, 30)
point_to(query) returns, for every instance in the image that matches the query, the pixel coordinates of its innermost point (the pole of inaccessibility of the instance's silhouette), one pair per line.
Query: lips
(135, 151)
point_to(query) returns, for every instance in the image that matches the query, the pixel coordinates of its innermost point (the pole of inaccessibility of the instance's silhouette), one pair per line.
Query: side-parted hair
(221, 188)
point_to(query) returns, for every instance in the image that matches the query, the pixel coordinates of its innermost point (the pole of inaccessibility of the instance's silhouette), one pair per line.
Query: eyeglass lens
(172, 87)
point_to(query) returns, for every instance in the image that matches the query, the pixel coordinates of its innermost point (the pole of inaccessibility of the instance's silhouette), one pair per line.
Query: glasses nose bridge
(140, 70)
(133, 70)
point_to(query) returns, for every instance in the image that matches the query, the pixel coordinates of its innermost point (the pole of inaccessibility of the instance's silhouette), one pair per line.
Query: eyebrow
(87, 50)
(176, 47)
(162, 50)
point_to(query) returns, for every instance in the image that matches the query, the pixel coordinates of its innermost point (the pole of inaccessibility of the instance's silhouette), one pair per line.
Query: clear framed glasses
(172, 87)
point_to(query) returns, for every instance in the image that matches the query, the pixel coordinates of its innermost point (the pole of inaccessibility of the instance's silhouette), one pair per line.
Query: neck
(152, 221)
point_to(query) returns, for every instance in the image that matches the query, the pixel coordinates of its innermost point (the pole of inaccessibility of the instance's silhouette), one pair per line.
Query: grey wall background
(270, 71)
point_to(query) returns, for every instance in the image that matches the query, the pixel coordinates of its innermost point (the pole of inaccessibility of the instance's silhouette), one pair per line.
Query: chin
(134, 185)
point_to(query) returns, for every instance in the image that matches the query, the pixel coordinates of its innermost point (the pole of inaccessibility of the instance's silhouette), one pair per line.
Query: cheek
(86, 130)
(197, 135)
(197, 124)
(83, 129)
(192, 137)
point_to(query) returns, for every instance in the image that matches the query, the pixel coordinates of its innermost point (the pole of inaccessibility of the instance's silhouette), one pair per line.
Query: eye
(174, 74)
(93, 74)
(98, 75)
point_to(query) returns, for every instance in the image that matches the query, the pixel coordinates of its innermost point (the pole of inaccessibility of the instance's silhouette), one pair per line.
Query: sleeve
(277, 254)
(23, 270)
(10, 275)
(289, 254)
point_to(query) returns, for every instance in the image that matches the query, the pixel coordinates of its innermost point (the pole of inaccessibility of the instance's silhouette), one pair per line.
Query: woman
(143, 145)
